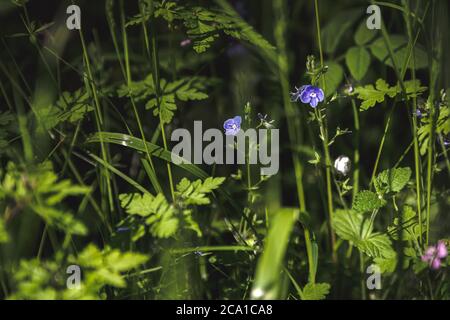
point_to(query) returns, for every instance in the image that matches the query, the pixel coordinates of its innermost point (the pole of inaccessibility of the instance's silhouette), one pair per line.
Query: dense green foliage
(88, 179)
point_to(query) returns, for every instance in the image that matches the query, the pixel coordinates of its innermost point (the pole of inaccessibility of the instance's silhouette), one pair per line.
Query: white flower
(342, 165)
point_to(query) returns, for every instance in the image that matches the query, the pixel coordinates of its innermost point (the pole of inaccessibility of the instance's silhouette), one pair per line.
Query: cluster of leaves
(37, 189)
(186, 89)
(203, 26)
(162, 218)
(355, 226)
(45, 280)
(371, 95)
(71, 107)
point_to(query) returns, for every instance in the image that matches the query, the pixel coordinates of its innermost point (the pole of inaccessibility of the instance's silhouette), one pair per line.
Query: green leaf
(159, 214)
(166, 108)
(333, 77)
(367, 201)
(392, 180)
(399, 45)
(105, 267)
(25, 185)
(386, 265)
(337, 27)
(376, 245)
(363, 34)
(353, 227)
(316, 291)
(409, 227)
(372, 95)
(358, 61)
(348, 225)
(204, 25)
(60, 219)
(136, 203)
(195, 193)
(70, 107)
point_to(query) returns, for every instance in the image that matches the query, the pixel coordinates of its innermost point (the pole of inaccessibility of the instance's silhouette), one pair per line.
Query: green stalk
(91, 87)
(324, 138)
(152, 174)
(282, 61)
(417, 162)
(356, 152)
(435, 56)
(155, 67)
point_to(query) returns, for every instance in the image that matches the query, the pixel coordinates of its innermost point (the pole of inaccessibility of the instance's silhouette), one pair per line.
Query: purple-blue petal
(232, 132)
(314, 102)
(305, 96)
(228, 123)
(320, 94)
(237, 120)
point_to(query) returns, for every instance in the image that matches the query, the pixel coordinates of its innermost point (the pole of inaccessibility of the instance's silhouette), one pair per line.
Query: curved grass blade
(270, 264)
(137, 144)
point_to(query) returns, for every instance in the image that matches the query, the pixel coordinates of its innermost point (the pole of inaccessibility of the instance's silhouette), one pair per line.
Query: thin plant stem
(325, 142)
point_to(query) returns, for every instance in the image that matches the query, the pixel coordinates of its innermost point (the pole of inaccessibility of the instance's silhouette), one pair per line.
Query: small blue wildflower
(232, 126)
(308, 94)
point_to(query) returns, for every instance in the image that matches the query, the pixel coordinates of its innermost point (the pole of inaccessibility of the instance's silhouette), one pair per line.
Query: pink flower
(185, 42)
(434, 254)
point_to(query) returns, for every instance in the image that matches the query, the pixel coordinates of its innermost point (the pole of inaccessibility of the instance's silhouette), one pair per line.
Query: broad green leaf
(355, 228)
(399, 45)
(386, 265)
(409, 226)
(348, 225)
(333, 77)
(367, 201)
(376, 245)
(363, 34)
(392, 180)
(358, 61)
(333, 31)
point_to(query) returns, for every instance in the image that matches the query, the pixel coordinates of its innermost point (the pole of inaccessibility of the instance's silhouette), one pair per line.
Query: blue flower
(232, 126)
(308, 94)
